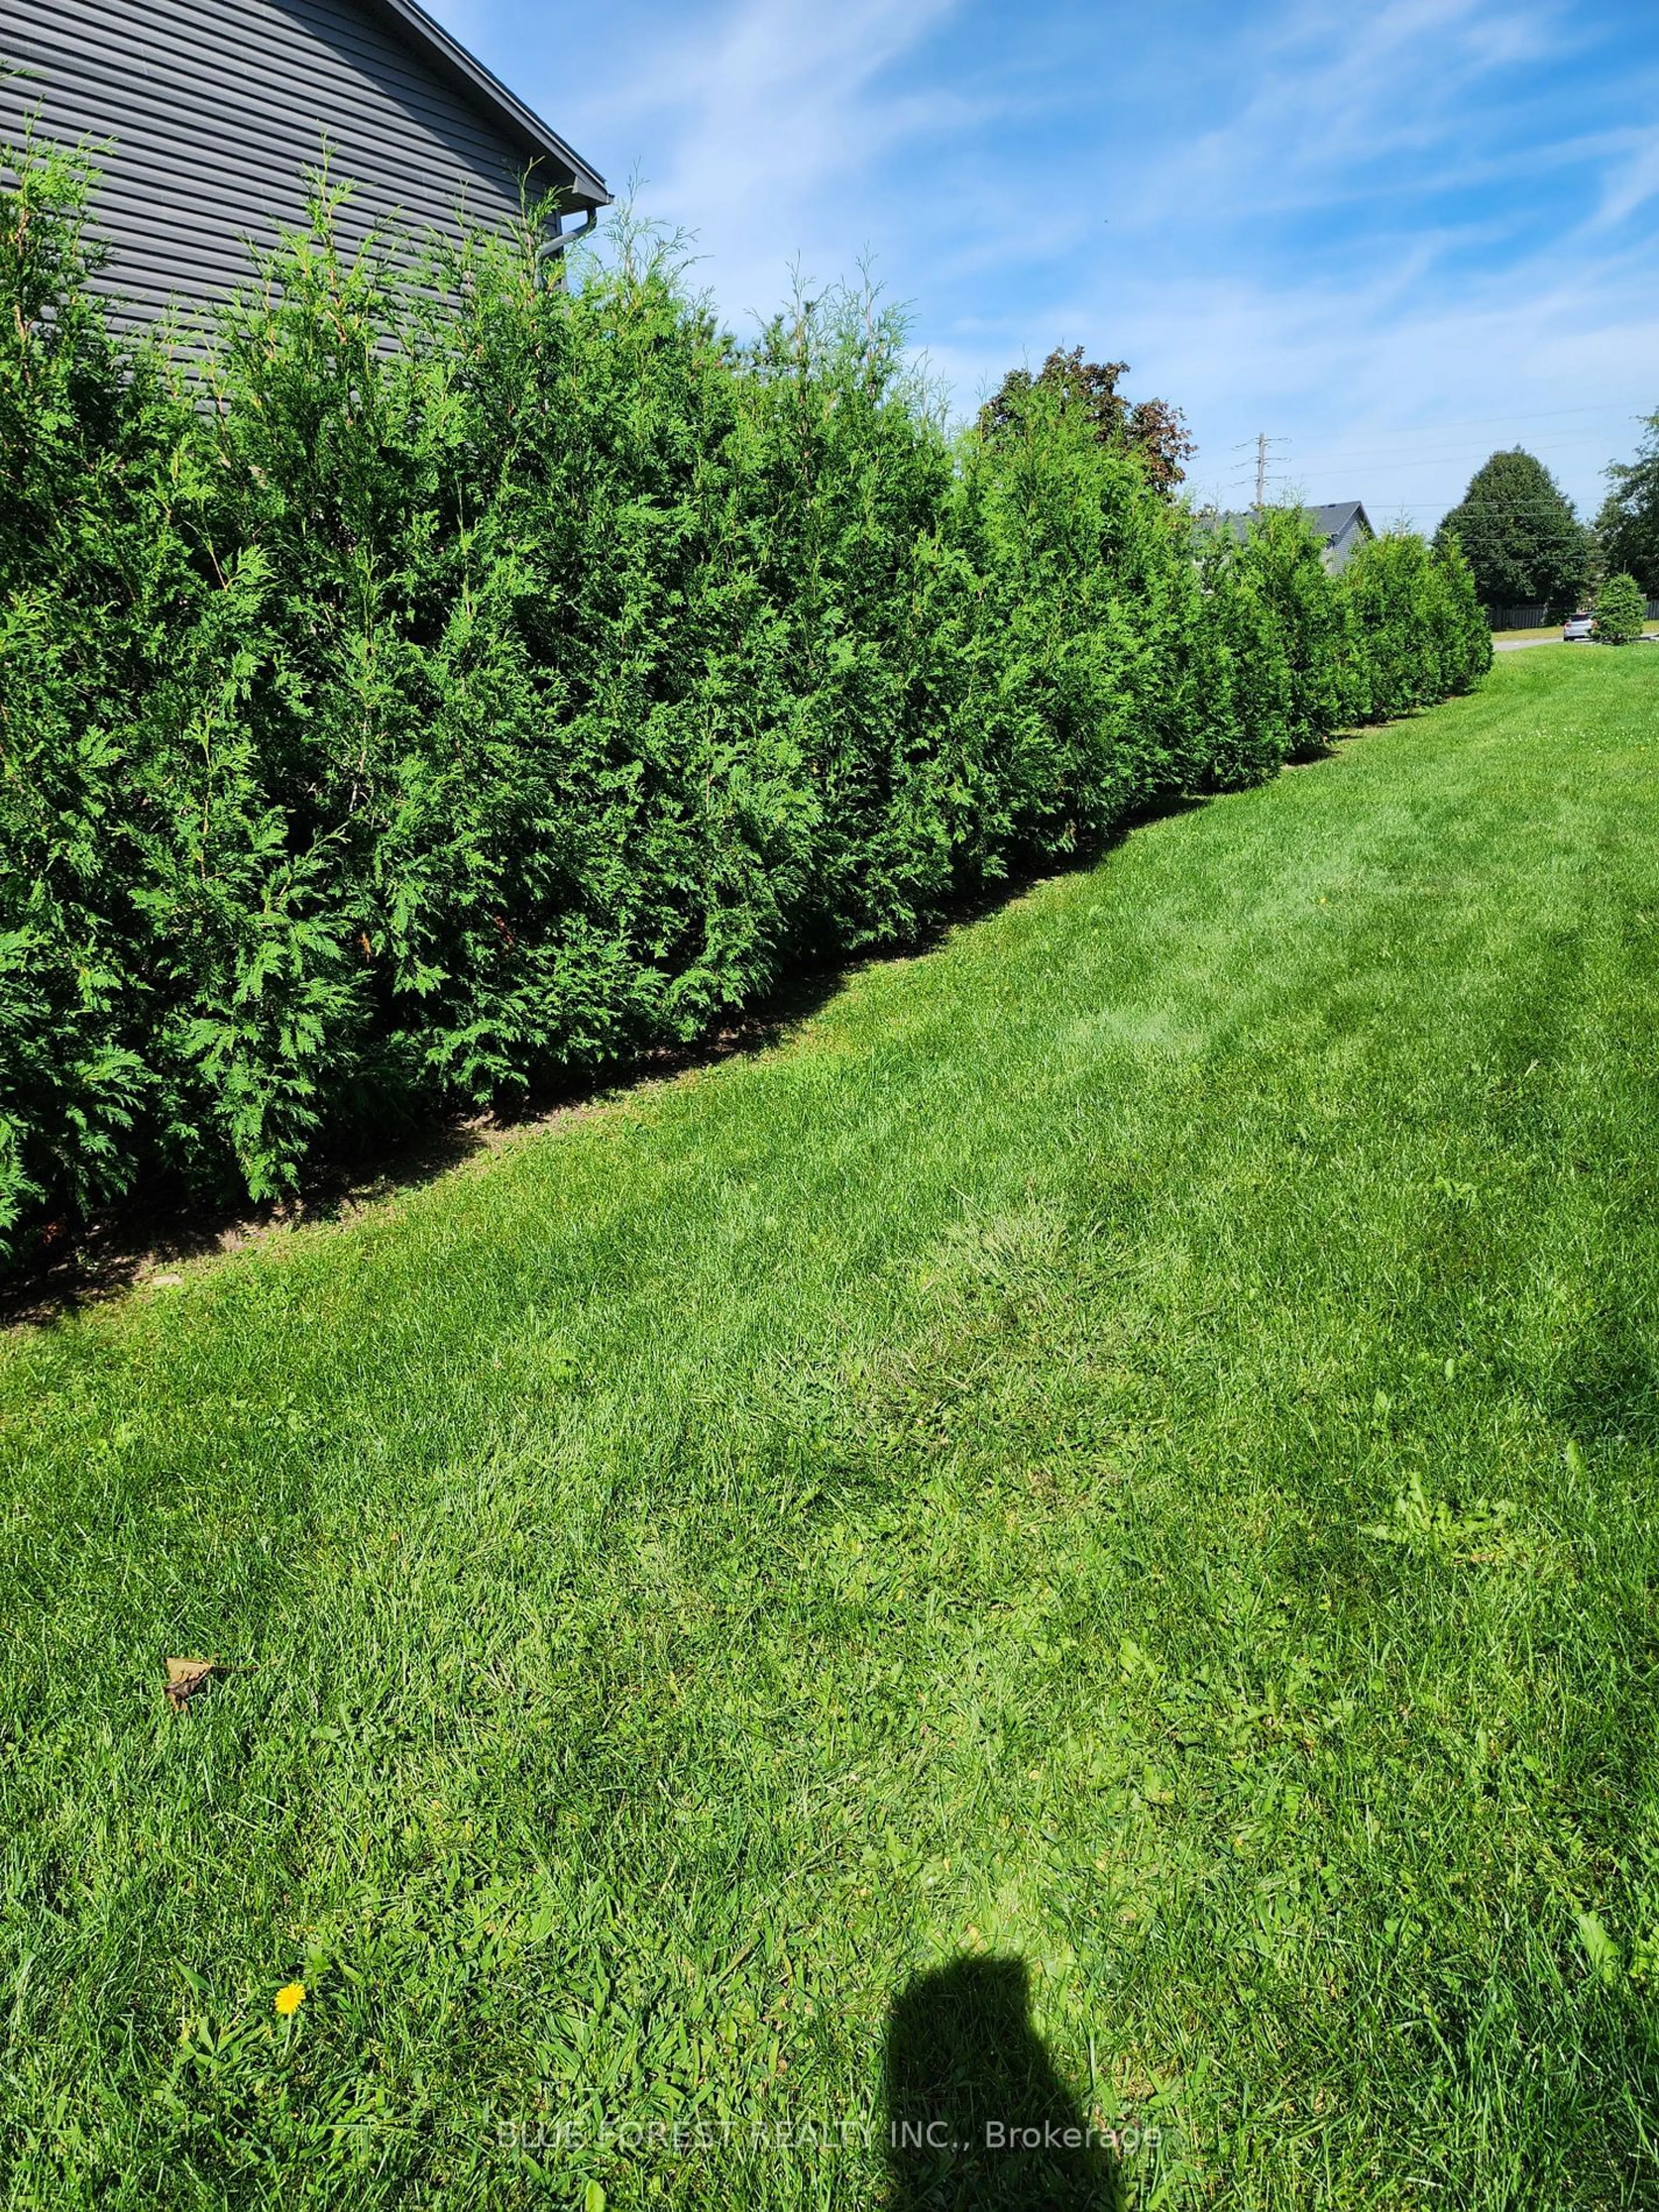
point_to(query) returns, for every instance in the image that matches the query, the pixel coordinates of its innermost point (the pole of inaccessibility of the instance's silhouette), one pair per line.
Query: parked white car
(1577, 628)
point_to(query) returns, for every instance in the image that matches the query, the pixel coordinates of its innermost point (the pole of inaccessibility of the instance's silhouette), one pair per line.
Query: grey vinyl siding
(1340, 527)
(1343, 547)
(216, 107)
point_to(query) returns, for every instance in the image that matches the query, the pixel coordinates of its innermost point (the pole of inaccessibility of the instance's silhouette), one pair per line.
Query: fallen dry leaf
(185, 1678)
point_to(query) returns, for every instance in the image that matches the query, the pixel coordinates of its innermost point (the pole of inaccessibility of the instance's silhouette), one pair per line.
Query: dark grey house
(1342, 528)
(216, 107)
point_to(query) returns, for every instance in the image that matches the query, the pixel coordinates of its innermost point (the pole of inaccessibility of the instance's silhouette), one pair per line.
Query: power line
(1467, 507)
(1327, 457)
(1534, 503)
(1542, 523)
(1369, 455)
(1382, 463)
(1496, 421)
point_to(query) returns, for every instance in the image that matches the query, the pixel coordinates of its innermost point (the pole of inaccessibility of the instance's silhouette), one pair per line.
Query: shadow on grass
(978, 2120)
(1607, 1390)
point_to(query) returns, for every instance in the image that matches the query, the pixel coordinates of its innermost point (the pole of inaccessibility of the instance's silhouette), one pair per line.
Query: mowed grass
(1113, 1470)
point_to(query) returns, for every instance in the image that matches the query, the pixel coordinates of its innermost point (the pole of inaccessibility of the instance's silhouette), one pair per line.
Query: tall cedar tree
(1628, 525)
(499, 682)
(1150, 428)
(1520, 535)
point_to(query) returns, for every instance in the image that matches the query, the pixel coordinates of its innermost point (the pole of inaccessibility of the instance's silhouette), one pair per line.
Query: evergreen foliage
(450, 683)
(1620, 611)
(1628, 525)
(1520, 535)
(1418, 617)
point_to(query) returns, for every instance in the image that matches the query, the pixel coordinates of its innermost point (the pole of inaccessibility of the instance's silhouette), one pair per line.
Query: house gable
(216, 107)
(1340, 526)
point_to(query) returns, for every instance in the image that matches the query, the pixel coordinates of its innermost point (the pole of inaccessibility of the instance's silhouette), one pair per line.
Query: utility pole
(1262, 442)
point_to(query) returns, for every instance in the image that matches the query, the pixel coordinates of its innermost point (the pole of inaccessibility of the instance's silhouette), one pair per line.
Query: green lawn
(1075, 1538)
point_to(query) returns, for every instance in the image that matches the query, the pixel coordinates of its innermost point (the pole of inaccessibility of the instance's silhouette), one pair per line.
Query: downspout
(553, 247)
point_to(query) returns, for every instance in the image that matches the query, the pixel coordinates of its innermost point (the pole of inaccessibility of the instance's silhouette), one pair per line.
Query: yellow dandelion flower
(290, 1997)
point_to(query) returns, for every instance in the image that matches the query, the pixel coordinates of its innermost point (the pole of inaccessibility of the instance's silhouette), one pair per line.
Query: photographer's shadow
(976, 2114)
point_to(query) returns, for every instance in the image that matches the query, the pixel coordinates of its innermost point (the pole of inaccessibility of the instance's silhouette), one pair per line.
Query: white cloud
(761, 126)
(1631, 184)
(1562, 361)
(1311, 218)
(1242, 290)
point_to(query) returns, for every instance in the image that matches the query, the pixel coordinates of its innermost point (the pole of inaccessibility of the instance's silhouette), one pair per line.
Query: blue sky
(1392, 234)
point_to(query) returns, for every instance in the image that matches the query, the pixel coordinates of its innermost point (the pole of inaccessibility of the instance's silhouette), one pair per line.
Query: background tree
(1150, 429)
(1628, 525)
(1520, 535)
(1620, 610)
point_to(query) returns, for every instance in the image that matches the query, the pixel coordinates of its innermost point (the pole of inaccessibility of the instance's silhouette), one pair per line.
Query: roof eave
(577, 186)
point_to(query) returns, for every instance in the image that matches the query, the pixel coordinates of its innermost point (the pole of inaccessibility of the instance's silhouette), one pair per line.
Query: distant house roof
(1327, 523)
(1330, 521)
(1340, 526)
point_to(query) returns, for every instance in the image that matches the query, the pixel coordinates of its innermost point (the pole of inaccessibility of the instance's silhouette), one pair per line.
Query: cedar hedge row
(430, 688)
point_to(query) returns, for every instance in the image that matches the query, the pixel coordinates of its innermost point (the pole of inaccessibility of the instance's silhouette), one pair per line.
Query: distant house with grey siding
(216, 107)
(1342, 528)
